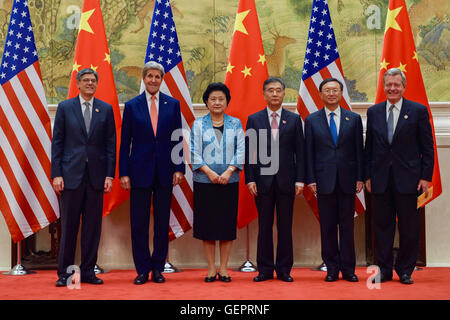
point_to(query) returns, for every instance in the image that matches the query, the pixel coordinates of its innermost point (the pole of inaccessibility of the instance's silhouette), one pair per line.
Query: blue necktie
(333, 128)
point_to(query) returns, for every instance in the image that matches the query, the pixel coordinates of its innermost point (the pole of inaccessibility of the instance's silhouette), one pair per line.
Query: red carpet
(430, 284)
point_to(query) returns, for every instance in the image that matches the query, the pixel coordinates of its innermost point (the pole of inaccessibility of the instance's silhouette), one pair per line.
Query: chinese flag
(92, 52)
(246, 72)
(399, 52)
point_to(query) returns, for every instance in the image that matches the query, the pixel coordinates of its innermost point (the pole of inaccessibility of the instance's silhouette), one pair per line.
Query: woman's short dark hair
(330, 80)
(216, 86)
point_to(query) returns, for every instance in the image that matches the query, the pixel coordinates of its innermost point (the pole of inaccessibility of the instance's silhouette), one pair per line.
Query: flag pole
(170, 268)
(19, 269)
(99, 270)
(247, 266)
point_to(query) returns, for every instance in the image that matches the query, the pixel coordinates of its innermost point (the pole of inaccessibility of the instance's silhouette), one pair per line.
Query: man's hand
(125, 182)
(424, 185)
(177, 178)
(58, 185)
(313, 188)
(252, 188)
(368, 185)
(108, 184)
(298, 190)
(359, 186)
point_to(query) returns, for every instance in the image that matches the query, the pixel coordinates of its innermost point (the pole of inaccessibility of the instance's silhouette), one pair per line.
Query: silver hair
(84, 71)
(152, 65)
(395, 72)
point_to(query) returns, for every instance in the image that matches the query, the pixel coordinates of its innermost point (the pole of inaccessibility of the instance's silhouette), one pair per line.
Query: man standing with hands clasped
(334, 172)
(274, 174)
(399, 160)
(83, 168)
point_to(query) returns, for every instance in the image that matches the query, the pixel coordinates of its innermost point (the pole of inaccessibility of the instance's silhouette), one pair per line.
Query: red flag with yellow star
(92, 52)
(246, 72)
(399, 51)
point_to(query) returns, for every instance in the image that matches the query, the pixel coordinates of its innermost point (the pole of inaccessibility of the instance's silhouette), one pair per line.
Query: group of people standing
(279, 160)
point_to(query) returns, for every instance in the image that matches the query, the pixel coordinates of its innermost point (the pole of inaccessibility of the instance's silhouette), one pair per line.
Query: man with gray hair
(280, 138)
(399, 160)
(83, 168)
(147, 169)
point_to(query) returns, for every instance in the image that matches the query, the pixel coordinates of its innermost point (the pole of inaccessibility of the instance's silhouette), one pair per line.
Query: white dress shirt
(337, 117)
(396, 111)
(83, 107)
(269, 112)
(148, 97)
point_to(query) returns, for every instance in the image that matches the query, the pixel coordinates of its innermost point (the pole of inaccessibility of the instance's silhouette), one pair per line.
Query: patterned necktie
(87, 116)
(333, 128)
(274, 125)
(390, 124)
(154, 115)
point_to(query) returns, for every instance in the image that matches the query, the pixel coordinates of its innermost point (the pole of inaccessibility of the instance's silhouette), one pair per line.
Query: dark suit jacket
(411, 154)
(326, 162)
(140, 151)
(291, 151)
(72, 145)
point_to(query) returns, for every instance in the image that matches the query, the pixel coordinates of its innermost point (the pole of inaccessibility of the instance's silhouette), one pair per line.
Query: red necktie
(154, 115)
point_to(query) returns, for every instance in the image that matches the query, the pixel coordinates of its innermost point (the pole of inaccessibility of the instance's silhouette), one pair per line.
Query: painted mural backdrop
(205, 30)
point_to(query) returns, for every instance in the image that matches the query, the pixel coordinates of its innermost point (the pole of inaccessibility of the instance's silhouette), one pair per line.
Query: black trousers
(140, 203)
(87, 202)
(388, 208)
(336, 211)
(266, 204)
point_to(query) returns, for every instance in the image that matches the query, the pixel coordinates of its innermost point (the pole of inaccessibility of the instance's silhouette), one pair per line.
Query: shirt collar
(148, 96)
(82, 101)
(337, 111)
(269, 112)
(397, 105)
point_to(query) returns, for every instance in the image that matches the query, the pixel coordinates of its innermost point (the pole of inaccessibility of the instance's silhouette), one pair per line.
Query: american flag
(322, 61)
(163, 48)
(27, 199)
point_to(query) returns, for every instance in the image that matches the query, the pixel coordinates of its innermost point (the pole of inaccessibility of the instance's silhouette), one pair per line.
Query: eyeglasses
(89, 80)
(329, 91)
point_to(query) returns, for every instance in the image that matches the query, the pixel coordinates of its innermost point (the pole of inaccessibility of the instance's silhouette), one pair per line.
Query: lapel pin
(406, 116)
(96, 110)
(165, 102)
(347, 118)
(284, 121)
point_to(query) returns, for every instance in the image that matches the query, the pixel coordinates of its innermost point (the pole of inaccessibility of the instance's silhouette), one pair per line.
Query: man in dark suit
(274, 174)
(334, 172)
(83, 167)
(146, 168)
(399, 156)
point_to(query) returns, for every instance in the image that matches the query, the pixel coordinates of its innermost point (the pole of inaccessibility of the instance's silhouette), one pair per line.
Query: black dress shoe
(210, 279)
(331, 278)
(61, 282)
(158, 277)
(405, 279)
(92, 280)
(286, 277)
(224, 278)
(350, 277)
(262, 277)
(141, 279)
